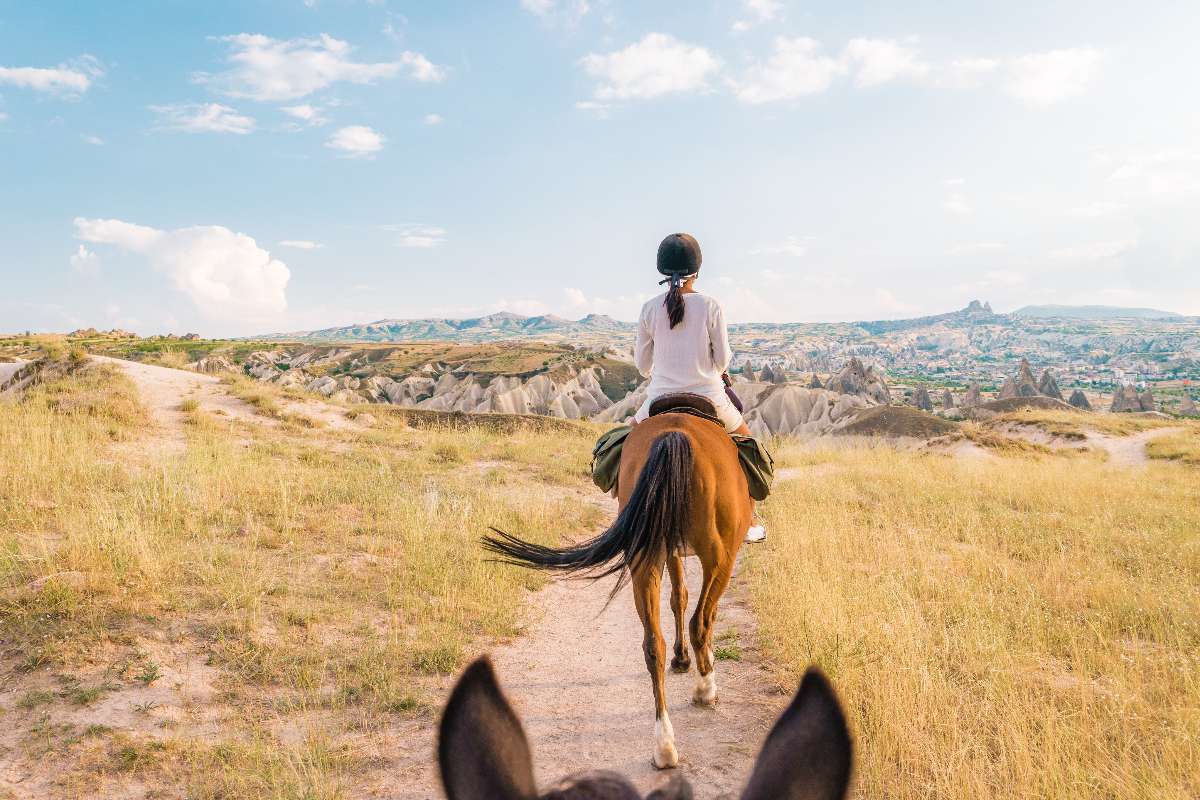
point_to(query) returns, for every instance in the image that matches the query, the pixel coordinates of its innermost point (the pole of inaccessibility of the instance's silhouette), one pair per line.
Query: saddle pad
(673, 402)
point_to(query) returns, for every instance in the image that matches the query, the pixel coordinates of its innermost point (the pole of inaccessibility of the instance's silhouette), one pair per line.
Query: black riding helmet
(678, 257)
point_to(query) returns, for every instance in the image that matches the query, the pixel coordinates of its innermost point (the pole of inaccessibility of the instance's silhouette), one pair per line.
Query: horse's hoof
(665, 758)
(706, 690)
(665, 755)
(681, 664)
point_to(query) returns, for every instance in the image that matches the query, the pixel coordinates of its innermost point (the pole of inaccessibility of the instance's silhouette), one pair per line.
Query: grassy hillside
(1021, 627)
(243, 620)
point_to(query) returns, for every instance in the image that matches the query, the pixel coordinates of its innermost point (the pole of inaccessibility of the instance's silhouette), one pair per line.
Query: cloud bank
(225, 274)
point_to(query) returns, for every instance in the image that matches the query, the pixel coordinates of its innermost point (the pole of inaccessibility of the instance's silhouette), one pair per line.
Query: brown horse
(681, 489)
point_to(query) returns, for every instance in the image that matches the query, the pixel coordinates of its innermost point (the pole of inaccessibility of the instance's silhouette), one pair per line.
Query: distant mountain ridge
(603, 329)
(503, 324)
(1094, 312)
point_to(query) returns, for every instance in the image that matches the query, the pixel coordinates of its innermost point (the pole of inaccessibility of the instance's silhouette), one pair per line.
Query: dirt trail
(579, 682)
(577, 676)
(1129, 451)
(7, 368)
(162, 389)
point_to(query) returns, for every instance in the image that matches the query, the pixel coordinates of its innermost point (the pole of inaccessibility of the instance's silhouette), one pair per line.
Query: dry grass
(1183, 446)
(318, 578)
(998, 628)
(1075, 424)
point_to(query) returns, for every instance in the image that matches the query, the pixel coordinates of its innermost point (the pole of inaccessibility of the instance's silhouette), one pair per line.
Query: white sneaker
(757, 533)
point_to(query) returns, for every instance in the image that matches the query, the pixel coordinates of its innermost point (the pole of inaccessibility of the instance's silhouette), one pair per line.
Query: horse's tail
(654, 520)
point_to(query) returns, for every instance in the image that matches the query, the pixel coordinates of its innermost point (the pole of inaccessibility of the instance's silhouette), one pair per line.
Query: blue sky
(270, 165)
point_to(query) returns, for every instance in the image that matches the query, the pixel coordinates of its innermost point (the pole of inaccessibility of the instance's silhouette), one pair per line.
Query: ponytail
(679, 259)
(674, 301)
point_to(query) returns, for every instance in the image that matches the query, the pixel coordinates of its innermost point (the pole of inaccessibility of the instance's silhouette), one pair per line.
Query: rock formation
(1048, 386)
(1126, 398)
(814, 382)
(921, 399)
(572, 393)
(947, 400)
(973, 397)
(1080, 401)
(212, 364)
(766, 375)
(858, 380)
(798, 410)
(748, 371)
(1023, 385)
(1187, 406)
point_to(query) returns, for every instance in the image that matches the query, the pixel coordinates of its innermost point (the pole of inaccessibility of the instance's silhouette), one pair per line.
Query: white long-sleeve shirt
(689, 357)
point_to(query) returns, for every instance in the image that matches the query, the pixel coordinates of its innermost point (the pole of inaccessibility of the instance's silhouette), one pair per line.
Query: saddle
(686, 403)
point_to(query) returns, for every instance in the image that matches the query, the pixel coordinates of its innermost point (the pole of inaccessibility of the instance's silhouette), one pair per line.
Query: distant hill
(1094, 312)
(592, 328)
(502, 325)
(975, 312)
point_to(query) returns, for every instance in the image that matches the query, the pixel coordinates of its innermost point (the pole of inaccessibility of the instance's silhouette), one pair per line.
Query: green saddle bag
(755, 459)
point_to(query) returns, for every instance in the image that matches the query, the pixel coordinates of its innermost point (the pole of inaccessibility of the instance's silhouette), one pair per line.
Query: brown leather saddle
(686, 403)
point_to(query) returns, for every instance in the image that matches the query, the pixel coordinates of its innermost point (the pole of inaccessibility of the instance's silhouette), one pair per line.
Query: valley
(224, 588)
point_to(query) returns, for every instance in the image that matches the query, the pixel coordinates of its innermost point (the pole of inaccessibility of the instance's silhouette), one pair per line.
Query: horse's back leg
(647, 583)
(716, 579)
(681, 661)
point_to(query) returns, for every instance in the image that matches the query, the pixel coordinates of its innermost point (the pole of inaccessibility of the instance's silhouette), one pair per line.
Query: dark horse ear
(807, 755)
(482, 748)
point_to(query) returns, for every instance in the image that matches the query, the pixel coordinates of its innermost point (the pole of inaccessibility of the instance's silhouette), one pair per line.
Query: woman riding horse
(681, 488)
(682, 343)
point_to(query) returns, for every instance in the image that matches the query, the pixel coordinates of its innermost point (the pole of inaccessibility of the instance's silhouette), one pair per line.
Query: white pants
(730, 417)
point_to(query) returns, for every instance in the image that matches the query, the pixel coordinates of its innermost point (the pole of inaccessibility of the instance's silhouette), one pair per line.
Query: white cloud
(796, 67)
(301, 244)
(965, 73)
(305, 113)
(419, 236)
(85, 262)
(974, 248)
(432, 119)
(575, 297)
(879, 61)
(1160, 173)
(888, 302)
(764, 10)
(794, 246)
(956, 203)
(421, 68)
(1097, 209)
(90, 139)
(568, 13)
(70, 80)
(225, 274)
(1004, 278)
(202, 118)
(759, 11)
(657, 65)
(538, 8)
(600, 110)
(356, 141)
(269, 69)
(1041, 79)
(3, 116)
(1092, 252)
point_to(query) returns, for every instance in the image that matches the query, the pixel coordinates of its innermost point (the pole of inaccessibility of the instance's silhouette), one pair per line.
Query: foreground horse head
(483, 752)
(681, 488)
